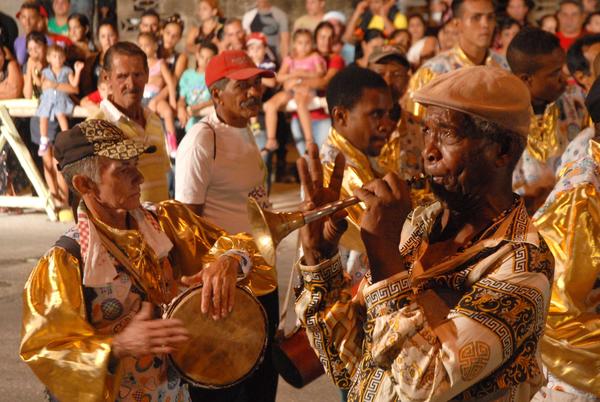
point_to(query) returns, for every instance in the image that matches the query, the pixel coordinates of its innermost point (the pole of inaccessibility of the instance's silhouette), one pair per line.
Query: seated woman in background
(81, 36)
(171, 35)
(210, 21)
(11, 79)
(107, 36)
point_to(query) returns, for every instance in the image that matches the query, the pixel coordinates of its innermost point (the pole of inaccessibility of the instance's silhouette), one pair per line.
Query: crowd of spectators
(306, 53)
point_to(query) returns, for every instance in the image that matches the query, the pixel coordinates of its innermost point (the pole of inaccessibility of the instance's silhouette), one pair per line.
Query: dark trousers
(261, 386)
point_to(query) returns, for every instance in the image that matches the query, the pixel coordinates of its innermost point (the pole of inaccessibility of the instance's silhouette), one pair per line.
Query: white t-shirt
(222, 181)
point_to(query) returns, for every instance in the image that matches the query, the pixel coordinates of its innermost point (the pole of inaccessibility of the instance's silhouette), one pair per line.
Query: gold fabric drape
(569, 221)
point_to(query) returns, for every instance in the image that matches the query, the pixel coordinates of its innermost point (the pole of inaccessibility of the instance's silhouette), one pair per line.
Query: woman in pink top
(305, 63)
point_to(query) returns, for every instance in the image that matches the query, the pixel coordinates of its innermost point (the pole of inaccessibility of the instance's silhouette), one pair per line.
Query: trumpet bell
(269, 228)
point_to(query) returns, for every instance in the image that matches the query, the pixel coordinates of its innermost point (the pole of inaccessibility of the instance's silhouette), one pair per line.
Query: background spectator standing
(315, 11)
(570, 21)
(57, 24)
(272, 22)
(209, 21)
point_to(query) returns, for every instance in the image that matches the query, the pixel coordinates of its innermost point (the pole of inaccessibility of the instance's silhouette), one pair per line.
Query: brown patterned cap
(490, 93)
(96, 137)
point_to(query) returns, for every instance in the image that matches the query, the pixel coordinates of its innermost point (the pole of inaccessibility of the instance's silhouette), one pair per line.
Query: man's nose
(431, 152)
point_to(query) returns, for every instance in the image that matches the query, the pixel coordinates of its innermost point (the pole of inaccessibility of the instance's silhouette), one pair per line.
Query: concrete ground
(24, 239)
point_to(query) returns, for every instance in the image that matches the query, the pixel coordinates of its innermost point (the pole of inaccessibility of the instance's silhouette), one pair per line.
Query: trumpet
(270, 227)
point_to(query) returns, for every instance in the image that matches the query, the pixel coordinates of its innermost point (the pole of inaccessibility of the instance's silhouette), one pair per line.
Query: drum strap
(211, 128)
(288, 294)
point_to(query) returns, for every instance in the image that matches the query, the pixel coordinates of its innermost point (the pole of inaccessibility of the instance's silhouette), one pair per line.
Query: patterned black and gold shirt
(467, 328)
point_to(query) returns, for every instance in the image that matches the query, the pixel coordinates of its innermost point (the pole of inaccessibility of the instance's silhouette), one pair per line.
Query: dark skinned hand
(388, 203)
(320, 238)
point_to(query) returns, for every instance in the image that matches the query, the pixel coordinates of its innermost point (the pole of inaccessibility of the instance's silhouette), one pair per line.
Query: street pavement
(24, 239)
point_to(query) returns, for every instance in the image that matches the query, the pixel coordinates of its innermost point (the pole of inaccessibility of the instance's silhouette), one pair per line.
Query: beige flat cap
(490, 93)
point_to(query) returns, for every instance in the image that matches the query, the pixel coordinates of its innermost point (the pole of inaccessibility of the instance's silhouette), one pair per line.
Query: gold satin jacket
(67, 342)
(357, 172)
(569, 221)
(444, 62)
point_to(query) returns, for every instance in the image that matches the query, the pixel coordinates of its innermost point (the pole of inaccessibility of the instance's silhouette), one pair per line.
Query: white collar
(112, 113)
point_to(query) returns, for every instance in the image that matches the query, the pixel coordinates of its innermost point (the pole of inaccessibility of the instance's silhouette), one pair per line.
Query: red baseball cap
(234, 64)
(33, 4)
(256, 37)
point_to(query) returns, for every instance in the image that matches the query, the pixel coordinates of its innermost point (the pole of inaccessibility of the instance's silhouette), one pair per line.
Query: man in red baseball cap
(218, 166)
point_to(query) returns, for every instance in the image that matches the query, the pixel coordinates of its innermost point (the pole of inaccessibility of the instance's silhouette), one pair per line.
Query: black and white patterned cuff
(243, 259)
(323, 272)
(393, 292)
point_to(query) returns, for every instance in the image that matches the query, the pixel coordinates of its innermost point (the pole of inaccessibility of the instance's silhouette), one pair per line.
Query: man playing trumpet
(458, 291)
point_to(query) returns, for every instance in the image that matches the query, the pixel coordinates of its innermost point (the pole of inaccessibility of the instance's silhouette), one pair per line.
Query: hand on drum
(388, 204)
(218, 285)
(320, 238)
(145, 335)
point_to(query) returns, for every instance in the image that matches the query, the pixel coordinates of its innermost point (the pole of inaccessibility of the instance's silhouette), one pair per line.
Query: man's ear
(215, 94)
(83, 184)
(504, 153)
(339, 116)
(526, 78)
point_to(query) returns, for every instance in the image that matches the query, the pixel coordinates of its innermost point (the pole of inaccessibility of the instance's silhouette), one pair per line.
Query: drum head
(224, 352)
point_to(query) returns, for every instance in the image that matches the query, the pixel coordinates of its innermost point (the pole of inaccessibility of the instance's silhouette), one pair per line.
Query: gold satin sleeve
(417, 81)
(57, 342)
(351, 181)
(196, 242)
(571, 344)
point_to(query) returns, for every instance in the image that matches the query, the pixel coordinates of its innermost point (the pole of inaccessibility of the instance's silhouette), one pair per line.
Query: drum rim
(258, 362)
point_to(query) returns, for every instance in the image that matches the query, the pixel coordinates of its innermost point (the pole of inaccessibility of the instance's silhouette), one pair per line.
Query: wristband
(243, 259)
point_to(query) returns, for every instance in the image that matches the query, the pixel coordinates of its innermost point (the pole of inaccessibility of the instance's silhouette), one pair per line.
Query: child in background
(193, 92)
(171, 35)
(159, 77)
(55, 102)
(58, 81)
(261, 55)
(549, 23)
(305, 63)
(92, 101)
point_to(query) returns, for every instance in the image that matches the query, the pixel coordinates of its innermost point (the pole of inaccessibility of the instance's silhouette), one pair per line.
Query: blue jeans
(320, 131)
